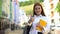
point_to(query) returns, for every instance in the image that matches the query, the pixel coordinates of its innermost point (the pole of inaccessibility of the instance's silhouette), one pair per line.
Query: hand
(47, 32)
(31, 19)
(38, 25)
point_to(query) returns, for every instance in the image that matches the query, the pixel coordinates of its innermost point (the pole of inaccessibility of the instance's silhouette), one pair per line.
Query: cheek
(40, 11)
(35, 11)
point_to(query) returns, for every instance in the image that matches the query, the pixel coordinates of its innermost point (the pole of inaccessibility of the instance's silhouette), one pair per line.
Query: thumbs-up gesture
(31, 20)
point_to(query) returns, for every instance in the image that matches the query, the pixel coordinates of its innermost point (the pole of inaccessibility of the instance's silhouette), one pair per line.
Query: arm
(47, 28)
(31, 20)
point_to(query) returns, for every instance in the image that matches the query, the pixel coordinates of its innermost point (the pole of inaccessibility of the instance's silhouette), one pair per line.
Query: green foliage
(0, 8)
(41, 0)
(29, 2)
(29, 12)
(58, 7)
(26, 3)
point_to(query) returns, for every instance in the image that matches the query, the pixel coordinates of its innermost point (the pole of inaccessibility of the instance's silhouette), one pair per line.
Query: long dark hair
(42, 13)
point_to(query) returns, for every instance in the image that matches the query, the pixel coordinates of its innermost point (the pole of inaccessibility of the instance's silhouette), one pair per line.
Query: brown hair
(42, 13)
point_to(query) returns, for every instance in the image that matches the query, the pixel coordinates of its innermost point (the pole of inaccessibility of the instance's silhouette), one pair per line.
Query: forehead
(37, 6)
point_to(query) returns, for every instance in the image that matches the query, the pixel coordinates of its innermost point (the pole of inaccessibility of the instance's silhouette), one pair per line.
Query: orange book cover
(43, 23)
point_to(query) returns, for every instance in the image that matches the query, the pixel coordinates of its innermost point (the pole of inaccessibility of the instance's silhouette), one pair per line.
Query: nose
(38, 10)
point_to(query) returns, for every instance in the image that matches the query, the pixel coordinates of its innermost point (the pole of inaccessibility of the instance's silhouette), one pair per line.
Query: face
(38, 10)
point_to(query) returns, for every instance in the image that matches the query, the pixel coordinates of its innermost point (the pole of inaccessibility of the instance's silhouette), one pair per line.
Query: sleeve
(47, 28)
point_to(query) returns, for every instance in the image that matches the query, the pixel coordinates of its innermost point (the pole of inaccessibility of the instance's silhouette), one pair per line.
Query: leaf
(58, 7)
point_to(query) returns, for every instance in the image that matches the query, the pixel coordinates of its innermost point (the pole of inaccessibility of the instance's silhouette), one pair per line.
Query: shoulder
(45, 18)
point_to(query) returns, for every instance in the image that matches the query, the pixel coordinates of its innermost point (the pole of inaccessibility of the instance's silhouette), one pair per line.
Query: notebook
(43, 23)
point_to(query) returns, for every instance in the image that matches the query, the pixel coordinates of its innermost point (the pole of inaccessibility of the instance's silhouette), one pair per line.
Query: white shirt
(36, 20)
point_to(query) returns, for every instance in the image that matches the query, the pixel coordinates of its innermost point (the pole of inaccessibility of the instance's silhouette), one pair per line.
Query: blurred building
(49, 7)
(6, 7)
(7, 13)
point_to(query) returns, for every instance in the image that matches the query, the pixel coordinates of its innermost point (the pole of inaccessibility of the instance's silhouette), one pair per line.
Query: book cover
(43, 23)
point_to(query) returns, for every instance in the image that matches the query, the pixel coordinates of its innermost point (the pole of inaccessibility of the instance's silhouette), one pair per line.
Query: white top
(36, 20)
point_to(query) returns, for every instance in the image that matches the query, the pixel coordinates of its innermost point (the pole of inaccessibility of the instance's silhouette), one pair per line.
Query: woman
(38, 14)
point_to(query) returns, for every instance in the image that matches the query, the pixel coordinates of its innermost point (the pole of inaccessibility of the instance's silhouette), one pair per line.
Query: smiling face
(38, 10)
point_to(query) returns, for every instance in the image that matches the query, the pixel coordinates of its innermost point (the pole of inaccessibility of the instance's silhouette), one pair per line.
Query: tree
(0, 8)
(58, 8)
(30, 2)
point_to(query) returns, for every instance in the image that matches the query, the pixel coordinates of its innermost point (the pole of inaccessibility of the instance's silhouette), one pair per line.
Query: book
(42, 23)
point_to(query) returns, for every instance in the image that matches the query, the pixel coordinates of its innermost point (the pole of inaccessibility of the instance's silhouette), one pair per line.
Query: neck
(37, 15)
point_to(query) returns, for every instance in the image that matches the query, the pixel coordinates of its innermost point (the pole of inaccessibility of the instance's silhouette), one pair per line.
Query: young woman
(38, 14)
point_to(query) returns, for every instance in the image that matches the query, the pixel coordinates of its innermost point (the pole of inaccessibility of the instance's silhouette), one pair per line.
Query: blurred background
(14, 14)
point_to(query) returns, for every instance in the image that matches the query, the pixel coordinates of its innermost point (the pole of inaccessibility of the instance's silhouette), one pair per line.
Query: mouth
(38, 11)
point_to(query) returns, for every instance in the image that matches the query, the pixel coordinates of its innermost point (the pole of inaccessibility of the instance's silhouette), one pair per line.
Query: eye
(38, 8)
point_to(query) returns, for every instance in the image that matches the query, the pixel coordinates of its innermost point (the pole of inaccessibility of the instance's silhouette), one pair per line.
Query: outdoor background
(18, 13)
